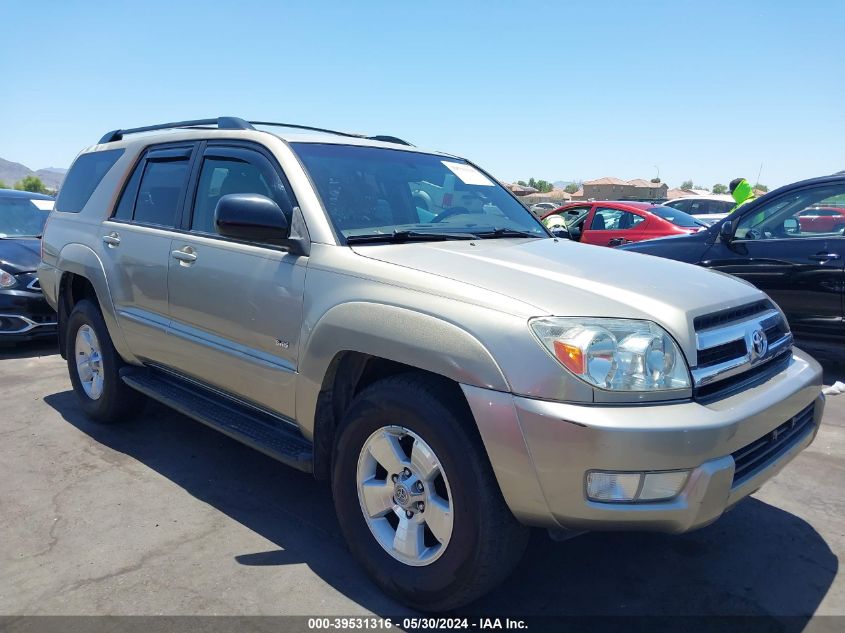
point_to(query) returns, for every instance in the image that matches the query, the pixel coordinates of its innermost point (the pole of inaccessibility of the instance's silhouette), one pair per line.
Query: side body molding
(396, 334)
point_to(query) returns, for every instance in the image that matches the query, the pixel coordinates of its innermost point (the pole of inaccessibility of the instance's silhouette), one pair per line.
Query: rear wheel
(416, 497)
(94, 366)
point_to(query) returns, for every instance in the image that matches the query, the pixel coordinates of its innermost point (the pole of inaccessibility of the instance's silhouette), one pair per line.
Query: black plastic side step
(262, 431)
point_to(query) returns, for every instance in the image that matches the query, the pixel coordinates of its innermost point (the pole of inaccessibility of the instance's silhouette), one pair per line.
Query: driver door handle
(823, 257)
(186, 255)
(112, 239)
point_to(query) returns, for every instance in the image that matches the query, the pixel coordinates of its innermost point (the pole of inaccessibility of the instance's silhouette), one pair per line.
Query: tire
(105, 397)
(484, 543)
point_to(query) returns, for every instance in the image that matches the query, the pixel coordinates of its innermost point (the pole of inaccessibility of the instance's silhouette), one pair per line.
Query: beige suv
(395, 321)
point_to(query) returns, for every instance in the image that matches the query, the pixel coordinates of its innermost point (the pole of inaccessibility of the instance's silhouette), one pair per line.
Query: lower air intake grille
(759, 454)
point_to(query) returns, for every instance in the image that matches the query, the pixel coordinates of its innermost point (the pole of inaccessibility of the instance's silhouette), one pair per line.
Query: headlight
(7, 280)
(615, 354)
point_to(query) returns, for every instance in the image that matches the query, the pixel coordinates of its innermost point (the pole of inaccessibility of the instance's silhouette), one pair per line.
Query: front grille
(731, 353)
(722, 317)
(753, 377)
(721, 353)
(752, 458)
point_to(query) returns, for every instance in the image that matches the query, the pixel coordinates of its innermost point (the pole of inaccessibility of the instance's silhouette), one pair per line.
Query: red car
(822, 220)
(615, 223)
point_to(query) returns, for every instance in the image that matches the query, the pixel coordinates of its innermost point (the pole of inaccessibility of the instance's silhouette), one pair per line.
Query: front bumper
(541, 451)
(25, 315)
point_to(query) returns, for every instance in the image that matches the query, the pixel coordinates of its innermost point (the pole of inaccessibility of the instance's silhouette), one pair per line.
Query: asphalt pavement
(161, 515)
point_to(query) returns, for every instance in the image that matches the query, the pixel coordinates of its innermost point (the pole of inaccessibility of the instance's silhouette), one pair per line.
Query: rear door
(136, 249)
(802, 270)
(236, 307)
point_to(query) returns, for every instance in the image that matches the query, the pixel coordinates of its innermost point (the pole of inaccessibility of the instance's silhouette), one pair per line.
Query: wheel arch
(355, 344)
(82, 276)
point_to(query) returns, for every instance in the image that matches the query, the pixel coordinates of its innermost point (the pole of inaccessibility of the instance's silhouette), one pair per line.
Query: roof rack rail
(378, 137)
(222, 123)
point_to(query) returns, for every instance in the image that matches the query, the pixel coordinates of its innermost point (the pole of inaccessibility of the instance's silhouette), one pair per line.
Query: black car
(787, 244)
(24, 314)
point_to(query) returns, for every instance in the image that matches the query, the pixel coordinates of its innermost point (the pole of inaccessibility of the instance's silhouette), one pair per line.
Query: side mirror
(561, 232)
(726, 230)
(250, 217)
(790, 225)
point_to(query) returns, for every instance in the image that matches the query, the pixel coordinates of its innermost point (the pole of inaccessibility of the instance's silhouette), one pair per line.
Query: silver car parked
(456, 372)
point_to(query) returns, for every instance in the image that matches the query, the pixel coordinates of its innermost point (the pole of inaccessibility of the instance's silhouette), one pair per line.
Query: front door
(800, 267)
(236, 307)
(612, 227)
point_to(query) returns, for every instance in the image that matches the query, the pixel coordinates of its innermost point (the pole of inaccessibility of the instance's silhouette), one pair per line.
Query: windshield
(371, 191)
(23, 217)
(676, 217)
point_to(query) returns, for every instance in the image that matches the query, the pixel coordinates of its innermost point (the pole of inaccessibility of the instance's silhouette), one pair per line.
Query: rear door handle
(112, 239)
(823, 257)
(187, 255)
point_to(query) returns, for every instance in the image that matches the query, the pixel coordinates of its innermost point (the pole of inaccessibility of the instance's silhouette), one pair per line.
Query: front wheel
(416, 497)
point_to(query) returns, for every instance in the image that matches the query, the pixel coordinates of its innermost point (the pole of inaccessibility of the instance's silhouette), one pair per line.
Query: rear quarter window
(85, 174)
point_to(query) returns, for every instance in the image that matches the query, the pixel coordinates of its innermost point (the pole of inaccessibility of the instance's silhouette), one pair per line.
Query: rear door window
(85, 174)
(162, 187)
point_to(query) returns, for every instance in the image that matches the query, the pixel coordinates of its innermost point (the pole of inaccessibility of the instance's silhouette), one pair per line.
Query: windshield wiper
(502, 232)
(397, 237)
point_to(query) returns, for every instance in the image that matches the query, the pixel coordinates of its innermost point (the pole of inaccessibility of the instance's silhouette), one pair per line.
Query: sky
(705, 90)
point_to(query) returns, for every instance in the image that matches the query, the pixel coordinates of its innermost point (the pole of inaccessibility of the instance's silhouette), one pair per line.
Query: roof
(632, 204)
(234, 128)
(639, 182)
(674, 194)
(607, 180)
(28, 195)
(636, 182)
(709, 196)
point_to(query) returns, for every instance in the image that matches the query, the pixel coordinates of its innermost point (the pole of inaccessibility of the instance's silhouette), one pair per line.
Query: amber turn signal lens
(571, 356)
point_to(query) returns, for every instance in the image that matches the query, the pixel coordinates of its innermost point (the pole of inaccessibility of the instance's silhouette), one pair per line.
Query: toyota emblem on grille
(759, 344)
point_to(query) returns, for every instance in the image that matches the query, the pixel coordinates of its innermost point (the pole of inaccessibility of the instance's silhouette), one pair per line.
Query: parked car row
(609, 223)
(24, 314)
(707, 209)
(790, 243)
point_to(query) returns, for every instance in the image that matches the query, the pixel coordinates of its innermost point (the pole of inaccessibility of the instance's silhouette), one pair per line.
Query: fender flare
(83, 261)
(382, 330)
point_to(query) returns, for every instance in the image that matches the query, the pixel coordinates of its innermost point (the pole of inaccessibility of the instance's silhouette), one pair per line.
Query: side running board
(269, 434)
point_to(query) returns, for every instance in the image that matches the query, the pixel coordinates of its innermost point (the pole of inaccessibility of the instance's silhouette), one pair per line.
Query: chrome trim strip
(739, 365)
(735, 331)
(35, 284)
(29, 324)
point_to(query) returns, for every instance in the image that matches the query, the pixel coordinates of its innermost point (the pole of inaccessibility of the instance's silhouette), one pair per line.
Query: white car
(707, 209)
(542, 208)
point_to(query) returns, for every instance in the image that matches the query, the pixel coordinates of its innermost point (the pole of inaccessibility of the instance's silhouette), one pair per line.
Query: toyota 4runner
(394, 321)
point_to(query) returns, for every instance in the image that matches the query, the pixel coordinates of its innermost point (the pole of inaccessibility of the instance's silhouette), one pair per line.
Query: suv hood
(565, 278)
(20, 255)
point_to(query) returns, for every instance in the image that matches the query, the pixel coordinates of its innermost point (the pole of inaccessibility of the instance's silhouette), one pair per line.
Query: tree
(32, 184)
(542, 186)
(571, 188)
(3, 185)
(687, 184)
(761, 187)
(720, 188)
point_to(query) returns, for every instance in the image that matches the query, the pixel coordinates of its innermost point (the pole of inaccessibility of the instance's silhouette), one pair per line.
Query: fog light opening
(634, 487)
